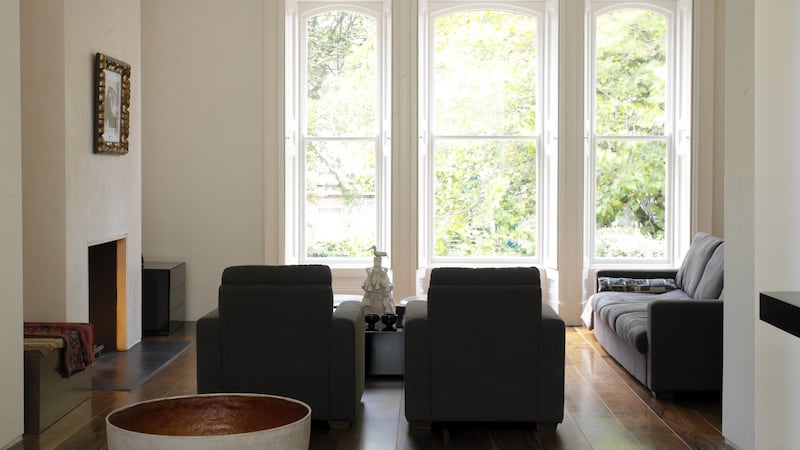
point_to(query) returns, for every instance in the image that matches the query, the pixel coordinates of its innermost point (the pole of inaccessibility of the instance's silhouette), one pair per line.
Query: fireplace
(107, 287)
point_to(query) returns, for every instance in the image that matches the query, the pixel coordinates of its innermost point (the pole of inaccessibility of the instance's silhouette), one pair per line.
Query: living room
(198, 184)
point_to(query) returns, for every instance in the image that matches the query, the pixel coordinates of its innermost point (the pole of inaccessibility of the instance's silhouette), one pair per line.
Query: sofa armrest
(346, 360)
(417, 362)
(209, 353)
(685, 345)
(551, 367)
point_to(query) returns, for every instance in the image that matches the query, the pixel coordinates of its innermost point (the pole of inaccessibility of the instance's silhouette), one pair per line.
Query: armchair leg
(663, 395)
(420, 425)
(339, 424)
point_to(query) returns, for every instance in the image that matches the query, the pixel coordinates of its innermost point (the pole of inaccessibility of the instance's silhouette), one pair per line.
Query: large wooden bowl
(211, 421)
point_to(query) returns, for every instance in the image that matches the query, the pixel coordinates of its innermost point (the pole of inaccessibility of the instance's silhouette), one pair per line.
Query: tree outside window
(630, 125)
(484, 139)
(340, 139)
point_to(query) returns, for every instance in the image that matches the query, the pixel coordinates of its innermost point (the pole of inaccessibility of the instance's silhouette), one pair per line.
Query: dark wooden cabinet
(163, 297)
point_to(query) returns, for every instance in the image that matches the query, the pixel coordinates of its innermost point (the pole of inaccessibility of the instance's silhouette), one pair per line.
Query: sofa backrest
(694, 264)
(711, 283)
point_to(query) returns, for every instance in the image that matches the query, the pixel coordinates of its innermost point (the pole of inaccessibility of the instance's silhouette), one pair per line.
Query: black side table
(383, 352)
(163, 297)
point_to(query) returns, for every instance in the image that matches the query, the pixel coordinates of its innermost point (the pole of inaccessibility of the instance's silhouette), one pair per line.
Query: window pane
(340, 198)
(631, 70)
(485, 198)
(485, 74)
(631, 182)
(341, 75)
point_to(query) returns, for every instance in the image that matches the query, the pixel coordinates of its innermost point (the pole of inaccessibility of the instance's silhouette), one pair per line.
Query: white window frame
(296, 136)
(563, 204)
(677, 132)
(546, 123)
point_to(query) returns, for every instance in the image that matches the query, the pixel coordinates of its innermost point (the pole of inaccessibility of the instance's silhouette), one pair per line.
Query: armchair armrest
(209, 353)
(417, 361)
(685, 345)
(551, 366)
(346, 360)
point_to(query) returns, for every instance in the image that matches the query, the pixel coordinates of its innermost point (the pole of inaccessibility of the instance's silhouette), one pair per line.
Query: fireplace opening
(107, 294)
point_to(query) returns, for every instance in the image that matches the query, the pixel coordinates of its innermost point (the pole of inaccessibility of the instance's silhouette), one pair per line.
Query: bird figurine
(377, 287)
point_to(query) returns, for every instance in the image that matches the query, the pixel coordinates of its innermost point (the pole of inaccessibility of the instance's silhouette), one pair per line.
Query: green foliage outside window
(485, 198)
(341, 87)
(484, 193)
(631, 64)
(485, 74)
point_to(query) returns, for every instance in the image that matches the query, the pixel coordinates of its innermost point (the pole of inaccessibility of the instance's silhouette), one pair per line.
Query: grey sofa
(276, 332)
(484, 348)
(672, 341)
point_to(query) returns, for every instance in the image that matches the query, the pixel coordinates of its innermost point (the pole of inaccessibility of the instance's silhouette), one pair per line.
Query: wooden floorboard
(605, 408)
(695, 418)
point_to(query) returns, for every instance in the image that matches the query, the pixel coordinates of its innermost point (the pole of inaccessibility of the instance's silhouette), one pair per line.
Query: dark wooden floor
(604, 409)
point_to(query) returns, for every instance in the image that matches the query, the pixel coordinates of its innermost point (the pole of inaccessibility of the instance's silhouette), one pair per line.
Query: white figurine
(377, 287)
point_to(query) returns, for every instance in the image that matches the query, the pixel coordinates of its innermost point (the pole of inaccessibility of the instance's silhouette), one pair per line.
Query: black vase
(371, 320)
(389, 320)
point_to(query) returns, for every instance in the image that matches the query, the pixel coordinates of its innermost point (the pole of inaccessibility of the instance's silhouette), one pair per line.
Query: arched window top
(438, 9)
(663, 8)
(311, 9)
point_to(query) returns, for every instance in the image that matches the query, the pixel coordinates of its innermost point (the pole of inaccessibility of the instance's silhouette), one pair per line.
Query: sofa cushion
(694, 264)
(710, 285)
(626, 313)
(648, 285)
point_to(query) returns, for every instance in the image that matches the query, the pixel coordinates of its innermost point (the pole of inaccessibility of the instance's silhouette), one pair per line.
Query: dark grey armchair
(276, 332)
(484, 348)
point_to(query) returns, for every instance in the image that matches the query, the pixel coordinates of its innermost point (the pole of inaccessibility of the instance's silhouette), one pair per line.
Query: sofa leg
(338, 424)
(663, 395)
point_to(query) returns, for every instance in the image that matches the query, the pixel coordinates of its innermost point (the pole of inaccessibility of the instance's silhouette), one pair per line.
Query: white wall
(43, 160)
(11, 426)
(777, 216)
(203, 167)
(761, 396)
(72, 197)
(738, 373)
